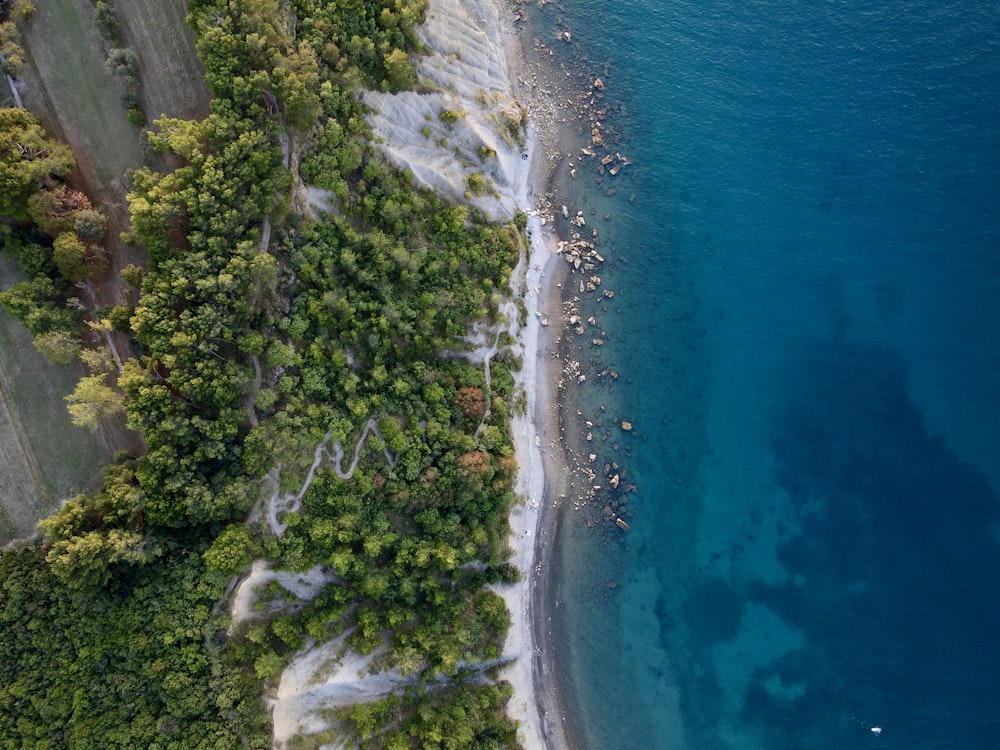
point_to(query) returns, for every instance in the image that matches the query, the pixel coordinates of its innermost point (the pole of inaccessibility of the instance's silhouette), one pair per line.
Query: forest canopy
(256, 336)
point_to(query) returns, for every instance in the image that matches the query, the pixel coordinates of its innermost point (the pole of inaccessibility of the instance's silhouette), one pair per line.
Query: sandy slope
(469, 68)
(305, 586)
(324, 677)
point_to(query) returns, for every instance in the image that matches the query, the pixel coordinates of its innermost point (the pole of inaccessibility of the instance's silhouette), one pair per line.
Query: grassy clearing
(44, 457)
(172, 78)
(74, 95)
(19, 496)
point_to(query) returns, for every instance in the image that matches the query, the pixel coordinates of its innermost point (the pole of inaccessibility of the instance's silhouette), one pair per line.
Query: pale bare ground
(172, 77)
(321, 679)
(469, 72)
(44, 458)
(304, 586)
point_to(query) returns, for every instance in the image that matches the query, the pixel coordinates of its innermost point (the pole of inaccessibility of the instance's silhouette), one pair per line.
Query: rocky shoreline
(587, 479)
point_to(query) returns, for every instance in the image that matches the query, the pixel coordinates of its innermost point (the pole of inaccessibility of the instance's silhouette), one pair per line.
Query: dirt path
(338, 451)
(289, 503)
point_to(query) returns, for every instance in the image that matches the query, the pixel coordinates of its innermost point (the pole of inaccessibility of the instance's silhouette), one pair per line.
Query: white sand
(530, 485)
(469, 68)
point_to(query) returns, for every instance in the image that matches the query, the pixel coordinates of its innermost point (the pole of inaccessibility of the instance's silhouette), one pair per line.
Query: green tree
(232, 550)
(120, 318)
(59, 347)
(55, 210)
(296, 80)
(133, 274)
(70, 255)
(28, 161)
(90, 224)
(92, 399)
(124, 63)
(106, 21)
(97, 359)
(83, 561)
(12, 52)
(398, 70)
(32, 302)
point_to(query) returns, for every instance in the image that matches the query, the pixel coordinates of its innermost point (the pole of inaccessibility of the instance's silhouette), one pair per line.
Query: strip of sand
(539, 481)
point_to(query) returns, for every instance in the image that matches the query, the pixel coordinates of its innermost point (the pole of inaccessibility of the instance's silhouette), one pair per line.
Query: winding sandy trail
(291, 503)
(371, 428)
(304, 586)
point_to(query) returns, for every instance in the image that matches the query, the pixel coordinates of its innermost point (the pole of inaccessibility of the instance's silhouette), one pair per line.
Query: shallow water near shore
(807, 293)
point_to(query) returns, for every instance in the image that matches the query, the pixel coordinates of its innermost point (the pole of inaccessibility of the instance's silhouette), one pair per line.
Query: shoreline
(541, 476)
(542, 482)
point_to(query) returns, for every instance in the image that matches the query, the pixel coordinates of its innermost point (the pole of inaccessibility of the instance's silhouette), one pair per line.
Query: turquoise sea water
(806, 331)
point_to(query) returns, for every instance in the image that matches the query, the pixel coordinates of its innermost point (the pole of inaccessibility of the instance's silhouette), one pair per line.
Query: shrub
(477, 183)
(25, 9)
(106, 21)
(137, 117)
(90, 224)
(124, 63)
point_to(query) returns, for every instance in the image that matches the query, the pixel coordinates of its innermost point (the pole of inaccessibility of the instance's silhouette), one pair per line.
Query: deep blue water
(806, 327)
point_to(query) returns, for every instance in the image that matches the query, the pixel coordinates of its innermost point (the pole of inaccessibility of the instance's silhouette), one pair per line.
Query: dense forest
(255, 335)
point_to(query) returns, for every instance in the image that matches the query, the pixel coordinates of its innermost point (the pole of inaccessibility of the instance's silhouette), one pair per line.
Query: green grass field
(172, 78)
(45, 458)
